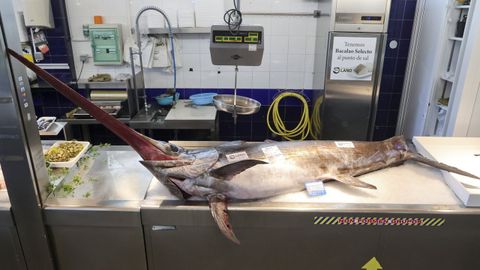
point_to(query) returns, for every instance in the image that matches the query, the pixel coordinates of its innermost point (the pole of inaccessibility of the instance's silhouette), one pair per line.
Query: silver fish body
(245, 171)
(273, 168)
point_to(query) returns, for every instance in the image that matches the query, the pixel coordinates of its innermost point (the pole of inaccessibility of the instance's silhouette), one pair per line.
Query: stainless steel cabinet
(96, 239)
(11, 255)
(287, 238)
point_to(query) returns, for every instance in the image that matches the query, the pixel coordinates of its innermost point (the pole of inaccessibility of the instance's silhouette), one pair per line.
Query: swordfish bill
(142, 145)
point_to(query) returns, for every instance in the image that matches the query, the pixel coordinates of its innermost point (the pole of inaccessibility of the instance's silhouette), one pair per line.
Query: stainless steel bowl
(244, 106)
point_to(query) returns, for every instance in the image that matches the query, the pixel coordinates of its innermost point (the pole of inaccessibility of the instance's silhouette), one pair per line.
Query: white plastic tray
(54, 129)
(73, 161)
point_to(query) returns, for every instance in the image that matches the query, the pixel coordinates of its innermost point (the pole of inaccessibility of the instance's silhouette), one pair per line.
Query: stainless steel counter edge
(91, 205)
(92, 216)
(315, 207)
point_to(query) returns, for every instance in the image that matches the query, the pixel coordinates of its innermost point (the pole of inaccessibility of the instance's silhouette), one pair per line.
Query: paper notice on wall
(353, 58)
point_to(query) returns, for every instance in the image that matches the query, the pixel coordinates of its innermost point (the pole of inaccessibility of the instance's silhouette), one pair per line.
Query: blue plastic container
(164, 100)
(202, 99)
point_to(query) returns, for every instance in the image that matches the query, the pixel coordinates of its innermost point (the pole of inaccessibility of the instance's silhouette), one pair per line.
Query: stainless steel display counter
(93, 215)
(413, 221)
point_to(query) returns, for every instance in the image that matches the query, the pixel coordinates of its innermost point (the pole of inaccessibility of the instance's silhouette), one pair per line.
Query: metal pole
(140, 57)
(235, 97)
(134, 78)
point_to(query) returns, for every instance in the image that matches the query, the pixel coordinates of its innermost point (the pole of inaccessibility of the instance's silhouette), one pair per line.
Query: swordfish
(247, 171)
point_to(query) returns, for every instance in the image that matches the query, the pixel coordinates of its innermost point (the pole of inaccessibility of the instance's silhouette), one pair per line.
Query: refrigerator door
(354, 66)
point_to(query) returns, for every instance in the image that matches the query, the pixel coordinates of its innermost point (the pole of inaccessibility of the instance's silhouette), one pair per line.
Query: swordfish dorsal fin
(228, 171)
(218, 207)
(352, 181)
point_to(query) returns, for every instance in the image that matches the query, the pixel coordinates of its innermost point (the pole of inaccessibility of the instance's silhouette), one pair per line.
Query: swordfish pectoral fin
(218, 207)
(352, 181)
(438, 165)
(232, 169)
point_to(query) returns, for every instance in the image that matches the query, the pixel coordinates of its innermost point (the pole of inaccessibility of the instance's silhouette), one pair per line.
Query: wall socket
(84, 58)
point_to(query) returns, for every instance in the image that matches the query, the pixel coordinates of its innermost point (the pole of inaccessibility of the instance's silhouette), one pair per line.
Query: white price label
(272, 152)
(345, 144)
(252, 47)
(234, 157)
(315, 188)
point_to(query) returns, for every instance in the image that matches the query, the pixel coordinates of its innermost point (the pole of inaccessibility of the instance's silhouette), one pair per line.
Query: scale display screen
(245, 37)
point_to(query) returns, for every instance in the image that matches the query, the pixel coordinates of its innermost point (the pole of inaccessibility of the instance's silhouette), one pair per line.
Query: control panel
(242, 47)
(107, 46)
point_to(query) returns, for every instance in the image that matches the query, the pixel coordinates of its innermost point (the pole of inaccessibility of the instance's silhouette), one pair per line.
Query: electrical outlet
(84, 58)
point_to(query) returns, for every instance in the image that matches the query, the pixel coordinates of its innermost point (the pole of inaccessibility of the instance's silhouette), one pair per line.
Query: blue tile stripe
(402, 14)
(264, 96)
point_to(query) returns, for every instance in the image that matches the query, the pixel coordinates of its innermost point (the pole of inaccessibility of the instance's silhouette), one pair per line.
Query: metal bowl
(244, 105)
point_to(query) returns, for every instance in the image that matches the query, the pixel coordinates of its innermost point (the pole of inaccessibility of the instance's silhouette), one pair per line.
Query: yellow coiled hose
(304, 126)
(316, 128)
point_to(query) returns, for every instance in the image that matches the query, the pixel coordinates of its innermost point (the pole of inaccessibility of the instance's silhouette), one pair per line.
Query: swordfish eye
(175, 149)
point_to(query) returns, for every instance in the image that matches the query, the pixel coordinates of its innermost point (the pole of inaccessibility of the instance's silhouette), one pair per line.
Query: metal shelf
(180, 30)
(456, 39)
(113, 84)
(449, 77)
(462, 7)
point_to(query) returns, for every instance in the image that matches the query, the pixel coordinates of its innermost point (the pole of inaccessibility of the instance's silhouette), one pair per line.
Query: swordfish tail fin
(143, 147)
(438, 165)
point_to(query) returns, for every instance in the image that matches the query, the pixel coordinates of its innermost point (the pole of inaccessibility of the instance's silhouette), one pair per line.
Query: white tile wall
(206, 62)
(244, 79)
(278, 62)
(279, 26)
(292, 43)
(278, 44)
(190, 79)
(226, 79)
(294, 79)
(309, 63)
(192, 60)
(308, 80)
(261, 79)
(190, 44)
(296, 62)
(278, 80)
(208, 79)
(296, 44)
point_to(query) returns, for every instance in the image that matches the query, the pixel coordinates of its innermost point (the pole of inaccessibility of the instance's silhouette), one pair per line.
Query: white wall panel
(291, 42)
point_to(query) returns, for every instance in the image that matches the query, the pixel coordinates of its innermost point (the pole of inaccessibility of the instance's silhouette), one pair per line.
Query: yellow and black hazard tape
(379, 221)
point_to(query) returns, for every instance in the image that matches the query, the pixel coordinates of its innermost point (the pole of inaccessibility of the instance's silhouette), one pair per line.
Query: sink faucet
(139, 44)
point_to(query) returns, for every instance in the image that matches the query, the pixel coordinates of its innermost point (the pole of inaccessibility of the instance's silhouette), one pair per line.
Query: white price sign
(353, 58)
